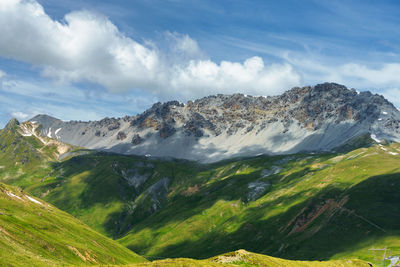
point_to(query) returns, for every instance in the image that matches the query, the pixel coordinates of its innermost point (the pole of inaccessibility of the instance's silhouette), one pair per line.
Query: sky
(86, 60)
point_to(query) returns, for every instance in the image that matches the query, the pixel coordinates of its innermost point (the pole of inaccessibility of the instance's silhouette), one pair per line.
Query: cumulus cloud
(228, 77)
(88, 47)
(21, 115)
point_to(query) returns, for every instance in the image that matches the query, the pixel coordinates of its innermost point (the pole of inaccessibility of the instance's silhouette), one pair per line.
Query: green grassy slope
(34, 233)
(27, 160)
(313, 206)
(318, 207)
(244, 258)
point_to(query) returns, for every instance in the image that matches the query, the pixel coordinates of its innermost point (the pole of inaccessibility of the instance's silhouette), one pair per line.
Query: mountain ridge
(311, 118)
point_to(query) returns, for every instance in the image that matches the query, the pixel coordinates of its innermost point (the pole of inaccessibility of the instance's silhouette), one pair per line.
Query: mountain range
(317, 118)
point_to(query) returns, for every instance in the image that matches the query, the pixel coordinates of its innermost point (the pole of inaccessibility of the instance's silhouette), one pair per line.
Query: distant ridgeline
(318, 118)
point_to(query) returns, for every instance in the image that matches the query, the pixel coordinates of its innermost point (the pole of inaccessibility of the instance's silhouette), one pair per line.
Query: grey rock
(311, 118)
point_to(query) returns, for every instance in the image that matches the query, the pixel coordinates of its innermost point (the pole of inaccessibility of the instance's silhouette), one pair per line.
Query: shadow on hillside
(368, 211)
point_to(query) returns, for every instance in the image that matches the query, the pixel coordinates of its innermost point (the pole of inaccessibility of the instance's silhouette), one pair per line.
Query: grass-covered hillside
(34, 233)
(245, 258)
(302, 206)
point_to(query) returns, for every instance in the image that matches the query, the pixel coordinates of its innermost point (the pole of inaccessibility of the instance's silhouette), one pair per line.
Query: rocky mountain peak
(318, 117)
(12, 124)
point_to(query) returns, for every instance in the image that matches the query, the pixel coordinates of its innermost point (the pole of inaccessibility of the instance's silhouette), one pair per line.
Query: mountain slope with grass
(34, 233)
(301, 206)
(245, 258)
(307, 207)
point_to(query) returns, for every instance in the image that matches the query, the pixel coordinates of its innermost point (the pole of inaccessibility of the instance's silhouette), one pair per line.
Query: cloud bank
(88, 47)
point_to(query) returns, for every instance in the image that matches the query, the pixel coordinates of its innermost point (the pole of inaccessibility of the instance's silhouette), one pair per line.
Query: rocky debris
(134, 177)
(109, 123)
(257, 189)
(158, 193)
(166, 130)
(121, 135)
(273, 170)
(136, 140)
(114, 126)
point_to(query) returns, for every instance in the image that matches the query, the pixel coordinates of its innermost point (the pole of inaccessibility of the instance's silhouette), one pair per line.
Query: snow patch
(373, 136)
(379, 119)
(56, 132)
(393, 153)
(383, 148)
(34, 200)
(49, 133)
(384, 113)
(13, 195)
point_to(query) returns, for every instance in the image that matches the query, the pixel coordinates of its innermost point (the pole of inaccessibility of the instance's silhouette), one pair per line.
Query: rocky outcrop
(121, 135)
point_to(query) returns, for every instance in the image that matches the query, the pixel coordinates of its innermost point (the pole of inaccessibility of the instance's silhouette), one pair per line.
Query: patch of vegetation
(34, 233)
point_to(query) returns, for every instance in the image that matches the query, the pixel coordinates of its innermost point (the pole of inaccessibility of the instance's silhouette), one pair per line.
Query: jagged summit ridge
(315, 118)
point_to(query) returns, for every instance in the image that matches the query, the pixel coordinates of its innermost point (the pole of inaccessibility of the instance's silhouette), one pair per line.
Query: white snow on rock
(379, 119)
(49, 133)
(34, 200)
(56, 132)
(393, 153)
(373, 136)
(13, 195)
(384, 113)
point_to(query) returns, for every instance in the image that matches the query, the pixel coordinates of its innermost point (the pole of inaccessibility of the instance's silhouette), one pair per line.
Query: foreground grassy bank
(34, 233)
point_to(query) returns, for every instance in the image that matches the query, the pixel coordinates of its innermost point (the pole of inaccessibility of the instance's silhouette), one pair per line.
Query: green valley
(324, 206)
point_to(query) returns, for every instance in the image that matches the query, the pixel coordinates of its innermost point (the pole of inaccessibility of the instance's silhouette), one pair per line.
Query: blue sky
(85, 60)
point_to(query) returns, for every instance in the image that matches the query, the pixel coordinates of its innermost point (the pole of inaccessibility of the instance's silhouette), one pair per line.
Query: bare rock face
(311, 118)
(136, 140)
(121, 135)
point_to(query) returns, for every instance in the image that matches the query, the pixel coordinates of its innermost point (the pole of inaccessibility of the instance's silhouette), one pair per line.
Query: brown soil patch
(191, 190)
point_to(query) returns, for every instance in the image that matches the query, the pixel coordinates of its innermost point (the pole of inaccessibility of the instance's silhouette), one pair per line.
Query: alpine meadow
(211, 133)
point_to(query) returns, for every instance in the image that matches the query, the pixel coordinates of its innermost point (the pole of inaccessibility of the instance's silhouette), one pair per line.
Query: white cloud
(89, 47)
(2, 74)
(21, 115)
(386, 75)
(251, 76)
